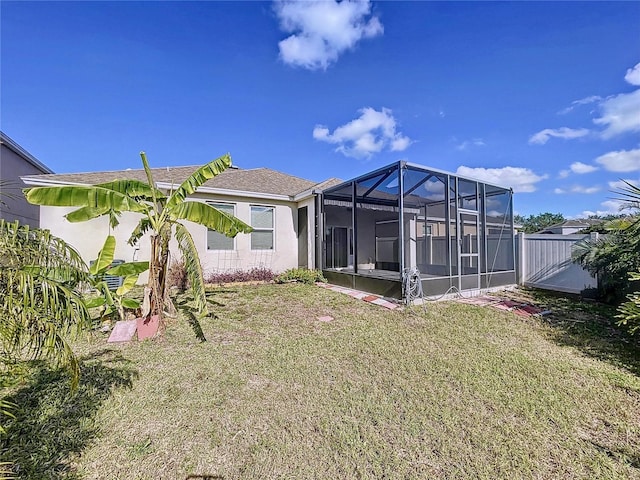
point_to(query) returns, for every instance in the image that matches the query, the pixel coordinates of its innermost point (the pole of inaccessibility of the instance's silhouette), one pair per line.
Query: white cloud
(323, 30)
(370, 133)
(476, 142)
(582, 101)
(564, 173)
(577, 189)
(633, 75)
(613, 206)
(610, 207)
(543, 136)
(587, 190)
(518, 178)
(580, 168)
(620, 161)
(620, 114)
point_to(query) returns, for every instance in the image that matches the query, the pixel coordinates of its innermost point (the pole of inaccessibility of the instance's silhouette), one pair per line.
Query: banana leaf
(192, 267)
(197, 178)
(105, 256)
(143, 227)
(204, 214)
(129, 268)
(84, 196)
(133, 188)
(128, 283)
(130, 303)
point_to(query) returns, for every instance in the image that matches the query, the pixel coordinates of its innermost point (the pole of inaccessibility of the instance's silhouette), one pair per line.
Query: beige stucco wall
(282, 257)
(88, 237)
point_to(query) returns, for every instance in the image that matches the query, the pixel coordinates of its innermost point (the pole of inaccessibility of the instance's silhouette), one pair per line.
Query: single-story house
(569, 227)
(16, 162)
(365, 233)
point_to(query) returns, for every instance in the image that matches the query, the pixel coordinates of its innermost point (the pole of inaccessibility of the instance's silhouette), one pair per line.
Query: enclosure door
(341, 254)
(469, 241)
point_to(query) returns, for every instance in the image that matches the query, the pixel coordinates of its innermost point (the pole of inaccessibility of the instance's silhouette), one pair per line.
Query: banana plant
(161, 213)
(113, 302)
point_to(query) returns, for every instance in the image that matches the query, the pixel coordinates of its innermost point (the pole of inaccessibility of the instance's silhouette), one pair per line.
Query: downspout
(401, 169)
(319, 230)
(354, 228)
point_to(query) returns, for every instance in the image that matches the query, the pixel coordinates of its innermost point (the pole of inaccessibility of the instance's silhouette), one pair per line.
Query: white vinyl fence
(545, 262)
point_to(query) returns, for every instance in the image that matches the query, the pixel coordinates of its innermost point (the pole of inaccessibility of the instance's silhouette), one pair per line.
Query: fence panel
(545, 262)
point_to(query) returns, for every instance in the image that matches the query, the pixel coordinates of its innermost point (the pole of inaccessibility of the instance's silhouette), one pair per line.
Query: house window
(262, 223)
(216, 240)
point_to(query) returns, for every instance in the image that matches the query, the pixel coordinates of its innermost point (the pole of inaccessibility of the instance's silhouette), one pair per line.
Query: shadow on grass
(590, 327)
(53, 424)
(183, 301)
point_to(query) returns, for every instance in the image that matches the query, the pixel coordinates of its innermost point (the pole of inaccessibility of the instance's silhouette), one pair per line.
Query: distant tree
(535, 223)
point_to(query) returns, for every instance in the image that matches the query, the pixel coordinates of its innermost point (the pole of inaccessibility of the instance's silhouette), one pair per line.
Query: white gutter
(229, 192)
(40, 182)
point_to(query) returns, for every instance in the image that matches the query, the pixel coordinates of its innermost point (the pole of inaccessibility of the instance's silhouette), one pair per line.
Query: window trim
(272, 229)
(214, 203)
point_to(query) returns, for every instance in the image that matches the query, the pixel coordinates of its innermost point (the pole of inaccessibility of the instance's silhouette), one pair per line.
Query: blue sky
(543, 97)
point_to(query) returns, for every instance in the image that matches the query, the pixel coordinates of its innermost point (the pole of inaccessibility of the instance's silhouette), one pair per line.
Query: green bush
(630, 311)
(301, 275)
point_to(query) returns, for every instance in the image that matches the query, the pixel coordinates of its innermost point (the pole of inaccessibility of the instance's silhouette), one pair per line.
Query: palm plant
(618, 253)
(39, 297)
(161, 216)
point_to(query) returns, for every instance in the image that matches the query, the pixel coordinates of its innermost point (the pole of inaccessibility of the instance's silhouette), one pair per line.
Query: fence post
(521, 258)
(594, 239)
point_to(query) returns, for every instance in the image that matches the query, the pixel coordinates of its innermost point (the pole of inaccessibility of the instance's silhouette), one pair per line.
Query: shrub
(177, 275)
(630, 311)
(301, 275)
(256, 274)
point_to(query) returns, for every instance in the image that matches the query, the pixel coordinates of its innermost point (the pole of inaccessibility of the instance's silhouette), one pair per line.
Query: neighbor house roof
(13, 146)
(257, 180)
(577, 223)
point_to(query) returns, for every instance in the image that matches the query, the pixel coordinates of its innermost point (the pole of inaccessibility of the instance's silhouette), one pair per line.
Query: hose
(411, 285)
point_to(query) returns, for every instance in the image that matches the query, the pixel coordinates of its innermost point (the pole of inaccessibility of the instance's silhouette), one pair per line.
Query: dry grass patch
(455, 391)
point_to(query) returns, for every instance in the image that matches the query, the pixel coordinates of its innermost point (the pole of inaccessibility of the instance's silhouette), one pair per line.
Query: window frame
(214, 203)
(261, 229)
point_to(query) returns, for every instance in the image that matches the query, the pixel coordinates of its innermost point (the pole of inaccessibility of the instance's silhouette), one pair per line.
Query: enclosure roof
(416, 166)
(257, 180)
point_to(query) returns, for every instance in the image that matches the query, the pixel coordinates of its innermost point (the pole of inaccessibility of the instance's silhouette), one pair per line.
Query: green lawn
(450, 391)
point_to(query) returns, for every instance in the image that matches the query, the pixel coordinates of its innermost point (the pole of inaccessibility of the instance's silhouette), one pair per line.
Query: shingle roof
(257, 180)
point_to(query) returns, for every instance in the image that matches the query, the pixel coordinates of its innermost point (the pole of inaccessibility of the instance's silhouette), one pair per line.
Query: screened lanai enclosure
(455, 233)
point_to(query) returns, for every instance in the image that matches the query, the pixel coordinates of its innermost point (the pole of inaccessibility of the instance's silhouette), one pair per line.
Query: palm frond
(197, 178)
(40, 302)
(192, 267)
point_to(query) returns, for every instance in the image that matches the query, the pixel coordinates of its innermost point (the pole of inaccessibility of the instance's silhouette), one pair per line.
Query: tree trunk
(155, 267)
(158, 271)
(167, 304)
